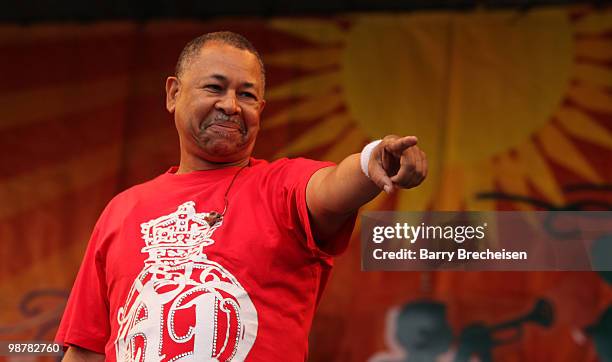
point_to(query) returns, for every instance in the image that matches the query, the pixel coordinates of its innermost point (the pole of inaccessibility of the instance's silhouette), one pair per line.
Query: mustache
(220, 118)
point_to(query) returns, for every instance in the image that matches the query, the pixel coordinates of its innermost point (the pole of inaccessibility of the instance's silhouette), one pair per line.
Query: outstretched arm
(335, 193)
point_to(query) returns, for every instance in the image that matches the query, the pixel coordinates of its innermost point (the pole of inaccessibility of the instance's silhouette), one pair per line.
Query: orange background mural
(512, 103)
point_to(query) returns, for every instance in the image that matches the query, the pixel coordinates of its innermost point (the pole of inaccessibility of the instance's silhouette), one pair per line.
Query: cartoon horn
(541, 313)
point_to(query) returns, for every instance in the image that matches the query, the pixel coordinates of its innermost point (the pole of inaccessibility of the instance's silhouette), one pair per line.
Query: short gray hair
(226, 37)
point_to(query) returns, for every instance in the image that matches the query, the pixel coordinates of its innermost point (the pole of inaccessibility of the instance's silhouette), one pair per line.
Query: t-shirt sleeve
(291, 210)
(85, 322)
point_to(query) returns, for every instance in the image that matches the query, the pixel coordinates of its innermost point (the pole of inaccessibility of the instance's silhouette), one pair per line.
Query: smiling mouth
(223, 123)
(226, 127)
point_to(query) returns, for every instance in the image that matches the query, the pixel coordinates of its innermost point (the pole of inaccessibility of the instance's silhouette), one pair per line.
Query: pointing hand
(397, 162)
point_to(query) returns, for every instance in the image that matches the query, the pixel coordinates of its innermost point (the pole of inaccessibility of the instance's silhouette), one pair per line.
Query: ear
(262, 105)
(173, 86)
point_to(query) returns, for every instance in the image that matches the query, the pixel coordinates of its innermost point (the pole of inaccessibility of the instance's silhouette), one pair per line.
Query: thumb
(379, 177)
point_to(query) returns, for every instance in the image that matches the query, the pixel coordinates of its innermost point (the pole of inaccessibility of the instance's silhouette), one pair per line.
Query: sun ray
(478, 179)
(318, 31)
(591, 98)
(18, 34)
(511, 177)
(17, 194)
(593, 74)
(325, 132)
(58, 101)
(451, 192)
(561, 150)
(306, 86)
(596, 49)
(416, 199)
(306, 110)
(594, 23)
(539, 173)
(309, 59)
(347, 144)
(582, 126)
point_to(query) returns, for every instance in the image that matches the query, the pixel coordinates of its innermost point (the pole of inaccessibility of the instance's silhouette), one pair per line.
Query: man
(224, 257)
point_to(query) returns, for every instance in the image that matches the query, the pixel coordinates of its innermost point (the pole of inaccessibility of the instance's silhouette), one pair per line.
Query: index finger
(398, 146)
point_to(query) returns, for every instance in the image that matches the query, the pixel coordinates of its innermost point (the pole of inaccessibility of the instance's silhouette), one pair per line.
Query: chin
(216, 158)
(224, 154)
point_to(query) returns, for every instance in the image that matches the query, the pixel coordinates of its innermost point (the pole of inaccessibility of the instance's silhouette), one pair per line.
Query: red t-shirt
(161, 281)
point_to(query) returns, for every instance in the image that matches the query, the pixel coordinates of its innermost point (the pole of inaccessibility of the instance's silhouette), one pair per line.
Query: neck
(189, 164)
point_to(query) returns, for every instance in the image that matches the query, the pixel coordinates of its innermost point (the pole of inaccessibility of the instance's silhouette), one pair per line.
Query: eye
(248, 95)
(213, 87)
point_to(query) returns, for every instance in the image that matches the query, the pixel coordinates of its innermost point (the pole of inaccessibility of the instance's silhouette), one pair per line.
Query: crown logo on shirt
(178, 237)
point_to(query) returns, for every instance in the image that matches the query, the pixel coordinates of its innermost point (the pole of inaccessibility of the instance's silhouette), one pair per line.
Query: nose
(228, 104)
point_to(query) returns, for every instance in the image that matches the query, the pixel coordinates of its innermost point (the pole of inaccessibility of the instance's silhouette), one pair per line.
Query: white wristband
(365, 156)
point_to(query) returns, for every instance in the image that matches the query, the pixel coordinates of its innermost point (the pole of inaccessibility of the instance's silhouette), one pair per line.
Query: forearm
(334, 193)
(343, 189)
(349, 187)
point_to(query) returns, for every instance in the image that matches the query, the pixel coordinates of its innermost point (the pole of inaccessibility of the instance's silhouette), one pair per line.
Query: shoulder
(286, 174)
(288, 165)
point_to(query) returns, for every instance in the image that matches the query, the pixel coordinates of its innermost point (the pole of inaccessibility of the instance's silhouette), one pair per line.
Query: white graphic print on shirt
(183, 306)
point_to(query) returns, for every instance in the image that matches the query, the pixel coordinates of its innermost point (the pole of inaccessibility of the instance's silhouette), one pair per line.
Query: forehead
(216, 58)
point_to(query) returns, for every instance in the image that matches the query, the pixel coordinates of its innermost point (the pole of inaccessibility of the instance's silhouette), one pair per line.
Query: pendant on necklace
(213, 218)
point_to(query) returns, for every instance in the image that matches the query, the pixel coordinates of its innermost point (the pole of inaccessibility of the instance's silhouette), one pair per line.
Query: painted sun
(372, 75)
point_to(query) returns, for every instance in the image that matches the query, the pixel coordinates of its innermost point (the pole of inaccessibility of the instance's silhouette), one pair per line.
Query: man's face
(217, 103)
